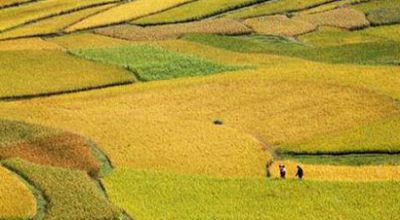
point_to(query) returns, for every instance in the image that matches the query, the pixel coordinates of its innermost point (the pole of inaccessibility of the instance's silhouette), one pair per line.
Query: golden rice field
(125, 12)
(184, 109)
(16, 199)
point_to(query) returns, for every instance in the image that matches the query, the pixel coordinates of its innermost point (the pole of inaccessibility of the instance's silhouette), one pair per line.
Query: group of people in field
(299, 173)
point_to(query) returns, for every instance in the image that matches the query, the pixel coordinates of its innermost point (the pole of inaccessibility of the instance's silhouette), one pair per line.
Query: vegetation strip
(50, 94)
(41, 200)
(16, 4)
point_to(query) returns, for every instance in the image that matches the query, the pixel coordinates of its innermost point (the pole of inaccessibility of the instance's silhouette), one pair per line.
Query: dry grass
(16, 201)
(15, 16)
(217, 26)
(85, 41)
(52, 25)
(340, 173)
(279, 25)
(343, 17)
(28, 44)
(162, 131)
(126, 12)
(49, 71)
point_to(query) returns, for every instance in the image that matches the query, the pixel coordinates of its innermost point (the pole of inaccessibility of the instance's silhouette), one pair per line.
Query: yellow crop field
(9, 3)
(49, 71)
(342, 17)
(16, 201)
(86, 40)
(161, 131)
(15, 16)
(280, 25)
(126, 12)
(161, 32)
(339, 173)
(390, 32)
(52, 25)
(274, 7)
(331, 6)
(28, 44)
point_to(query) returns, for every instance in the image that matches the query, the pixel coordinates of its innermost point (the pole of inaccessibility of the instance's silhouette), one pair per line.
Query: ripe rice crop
(194, 11)
(328, 37)
(343, 17)
(9, 3)
(28, 44)
(71, 194)
(50, 71)
(339, 173)
(86, 40)
(125, 12)
(16, 201)
(51, 25)
(279, 25)
(149, 195)
(363, 139)
(385, 16)
(389, 32)
(161, 32)
(274, 7)
(372, 5)
(161, 130)
(16, 16)
(370, 53)
(333, 5)
(153, 63)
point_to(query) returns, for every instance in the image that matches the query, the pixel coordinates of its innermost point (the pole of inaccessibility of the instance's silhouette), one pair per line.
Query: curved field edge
(149, 195)
(66, 190)
(17, 199)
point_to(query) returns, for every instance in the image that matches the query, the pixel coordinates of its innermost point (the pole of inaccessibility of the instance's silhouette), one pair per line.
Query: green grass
(348, 159)
(274, 7)
(374, 53)
(195, 11)
(71, 194)
(385, 16)
(25, 73)
(154, 63)
(372, 5)
(152, 195)
(380, 137)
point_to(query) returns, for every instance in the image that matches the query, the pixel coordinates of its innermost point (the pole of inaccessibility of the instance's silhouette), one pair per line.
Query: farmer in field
(282, 171)
(300, 172)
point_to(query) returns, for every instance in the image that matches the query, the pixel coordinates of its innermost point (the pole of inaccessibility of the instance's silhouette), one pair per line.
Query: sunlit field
(192, 109)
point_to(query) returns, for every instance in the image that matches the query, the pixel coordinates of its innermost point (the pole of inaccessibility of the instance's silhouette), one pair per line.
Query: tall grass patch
(154, 63)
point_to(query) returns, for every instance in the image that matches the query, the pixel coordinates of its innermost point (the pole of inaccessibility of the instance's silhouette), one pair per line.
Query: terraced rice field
(184, 109)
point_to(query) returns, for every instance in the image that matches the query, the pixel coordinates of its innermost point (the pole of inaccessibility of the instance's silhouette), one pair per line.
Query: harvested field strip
(279, 25)
(53, 72)
(343, 18)
(344, 159)
(195, 11)
(365, 139)
(148, 195)
(18, 16)
(86, 40)
(126, 12)
(16, 200)
(161, 114)
(171, 31)
(340, 172)
(370, 53)
(28, 44)
(276, 7)
(54, 25)
(153, 63)
(71, 194)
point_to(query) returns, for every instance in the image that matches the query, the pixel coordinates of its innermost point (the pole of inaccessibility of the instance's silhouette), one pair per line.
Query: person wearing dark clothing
(282, 171)
(300, 172)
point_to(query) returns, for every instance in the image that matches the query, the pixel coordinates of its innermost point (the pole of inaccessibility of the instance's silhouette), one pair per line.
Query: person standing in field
(300, 172)
(282, 171)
